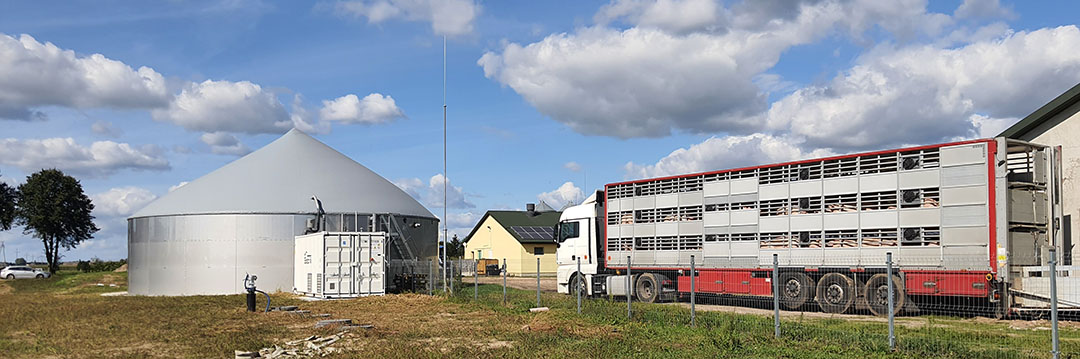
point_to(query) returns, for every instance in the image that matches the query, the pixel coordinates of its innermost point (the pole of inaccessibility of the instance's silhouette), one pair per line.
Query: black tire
(40, 276)
(877, 295)
(796, 289)
(577, 283)
(647, 288)
(10, 276)
(835, 293)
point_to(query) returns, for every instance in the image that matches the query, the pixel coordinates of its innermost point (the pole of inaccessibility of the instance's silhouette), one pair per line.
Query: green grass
(66, 316)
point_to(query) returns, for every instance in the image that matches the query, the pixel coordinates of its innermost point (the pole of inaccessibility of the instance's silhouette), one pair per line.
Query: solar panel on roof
(534, 232)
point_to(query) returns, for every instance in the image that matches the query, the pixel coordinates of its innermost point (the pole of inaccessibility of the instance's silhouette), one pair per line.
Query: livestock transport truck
(970, 222)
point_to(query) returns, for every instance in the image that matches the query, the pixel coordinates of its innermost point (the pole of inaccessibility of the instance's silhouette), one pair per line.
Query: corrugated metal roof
(281, 178)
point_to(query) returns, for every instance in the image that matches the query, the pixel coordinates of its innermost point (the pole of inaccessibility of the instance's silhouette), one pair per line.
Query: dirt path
(547, 284)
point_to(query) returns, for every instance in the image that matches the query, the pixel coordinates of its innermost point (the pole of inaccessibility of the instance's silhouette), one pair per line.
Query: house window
(538, 251)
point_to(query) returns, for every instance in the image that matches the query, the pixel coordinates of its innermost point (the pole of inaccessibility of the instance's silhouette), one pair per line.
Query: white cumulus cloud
(719, 153)
(662, 75)
(224, 144)
(101, 158)
(566, 194)
(121, 201)
(925, 93)
(572, 166)
(372, 109)
(34, 74)
(431, 193)
(447, 17)
(671, 15)
(213, 106)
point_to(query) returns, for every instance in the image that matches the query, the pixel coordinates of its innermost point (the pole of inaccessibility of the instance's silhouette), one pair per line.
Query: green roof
(1032, 121)
(519, 218)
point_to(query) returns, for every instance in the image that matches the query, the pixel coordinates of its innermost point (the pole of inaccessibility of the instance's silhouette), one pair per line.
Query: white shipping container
(340, 264)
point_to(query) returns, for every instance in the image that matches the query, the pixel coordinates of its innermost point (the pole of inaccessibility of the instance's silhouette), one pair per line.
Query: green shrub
(97, 265)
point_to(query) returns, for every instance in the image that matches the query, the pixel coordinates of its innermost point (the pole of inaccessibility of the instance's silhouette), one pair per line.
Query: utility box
(340, 264)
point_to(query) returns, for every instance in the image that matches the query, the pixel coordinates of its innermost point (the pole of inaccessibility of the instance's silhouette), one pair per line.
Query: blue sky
(547, 100)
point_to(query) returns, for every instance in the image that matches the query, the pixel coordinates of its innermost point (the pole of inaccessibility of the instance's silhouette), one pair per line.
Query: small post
(476, 279)
(538, 282)
(581, 277)
(892, 305)
(430, 278)
(693, 311)
(1055, 344)
(776, 294)
(504, 280)
(628, 286)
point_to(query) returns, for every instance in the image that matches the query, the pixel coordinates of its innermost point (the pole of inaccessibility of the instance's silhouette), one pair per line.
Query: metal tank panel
(210, 254)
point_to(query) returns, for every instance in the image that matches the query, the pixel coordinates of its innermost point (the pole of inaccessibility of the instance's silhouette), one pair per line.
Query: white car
(13, 272)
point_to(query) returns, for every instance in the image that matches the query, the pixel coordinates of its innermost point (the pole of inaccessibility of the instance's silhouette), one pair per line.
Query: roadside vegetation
(66, 316)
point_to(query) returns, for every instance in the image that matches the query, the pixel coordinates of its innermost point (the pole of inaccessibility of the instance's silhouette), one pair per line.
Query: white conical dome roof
(281, 178)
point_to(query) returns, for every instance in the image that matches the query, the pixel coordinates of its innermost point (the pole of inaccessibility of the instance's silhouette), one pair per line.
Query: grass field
(66, 316)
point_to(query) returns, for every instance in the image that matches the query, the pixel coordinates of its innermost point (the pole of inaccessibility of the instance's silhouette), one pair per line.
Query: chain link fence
(901, 304)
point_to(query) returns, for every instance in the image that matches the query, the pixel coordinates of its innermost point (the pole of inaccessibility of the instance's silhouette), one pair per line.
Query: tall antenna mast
(446, 220)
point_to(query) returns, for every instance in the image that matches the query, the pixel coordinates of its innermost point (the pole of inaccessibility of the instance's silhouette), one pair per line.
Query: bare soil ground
(547, 284)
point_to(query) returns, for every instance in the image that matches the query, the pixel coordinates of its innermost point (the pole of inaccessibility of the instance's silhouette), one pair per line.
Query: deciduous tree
(7, 206)
(53, 208)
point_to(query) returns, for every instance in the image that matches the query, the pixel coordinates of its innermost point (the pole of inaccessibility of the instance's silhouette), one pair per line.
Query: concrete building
(205, 236)
(1058, 124)
(517, 236)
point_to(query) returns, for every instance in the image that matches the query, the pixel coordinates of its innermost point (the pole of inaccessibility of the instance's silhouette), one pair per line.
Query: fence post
(581, 277)
(538, 282)
(476, 280)
(693, 311)
(628, 293)
(1055, 345)
(504, 280)
(892, 304)
(430, 277)
(776, 294)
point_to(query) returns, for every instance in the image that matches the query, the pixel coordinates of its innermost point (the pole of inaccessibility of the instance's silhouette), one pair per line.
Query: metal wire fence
(906, 303)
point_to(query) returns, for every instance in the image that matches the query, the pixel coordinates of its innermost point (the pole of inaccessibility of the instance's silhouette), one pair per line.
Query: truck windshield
(567, 230)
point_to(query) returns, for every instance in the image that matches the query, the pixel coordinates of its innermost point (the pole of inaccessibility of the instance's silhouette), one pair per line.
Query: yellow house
(520, 237)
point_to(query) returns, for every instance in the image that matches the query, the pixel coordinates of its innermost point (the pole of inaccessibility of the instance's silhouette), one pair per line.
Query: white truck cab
(578, 235)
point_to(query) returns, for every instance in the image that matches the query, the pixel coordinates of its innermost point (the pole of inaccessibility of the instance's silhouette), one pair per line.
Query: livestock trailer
(975, 221)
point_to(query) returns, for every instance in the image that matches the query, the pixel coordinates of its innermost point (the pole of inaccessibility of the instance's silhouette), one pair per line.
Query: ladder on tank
(398, 237)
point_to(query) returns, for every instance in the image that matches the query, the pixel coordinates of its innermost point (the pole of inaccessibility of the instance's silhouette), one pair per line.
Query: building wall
(499, 244)
(1064, 130)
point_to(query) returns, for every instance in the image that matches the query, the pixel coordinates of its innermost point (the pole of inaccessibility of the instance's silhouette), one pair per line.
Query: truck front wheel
(647, 288)
(577, 284)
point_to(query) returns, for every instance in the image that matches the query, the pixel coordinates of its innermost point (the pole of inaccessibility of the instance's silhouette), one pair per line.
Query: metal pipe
(892, 304)
(538, 282)
(1056, 345)
(693, 311)
(628, 276)
(579, 290)
(476, 279)
(776, 294)
(504, 280)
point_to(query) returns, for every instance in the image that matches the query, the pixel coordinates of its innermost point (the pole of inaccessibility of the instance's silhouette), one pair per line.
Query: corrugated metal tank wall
(211, 253)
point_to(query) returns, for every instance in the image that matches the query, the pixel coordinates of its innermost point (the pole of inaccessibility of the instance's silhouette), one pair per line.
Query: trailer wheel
(877, 294)
(647, 288)
(796, 288)
(835, 293)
